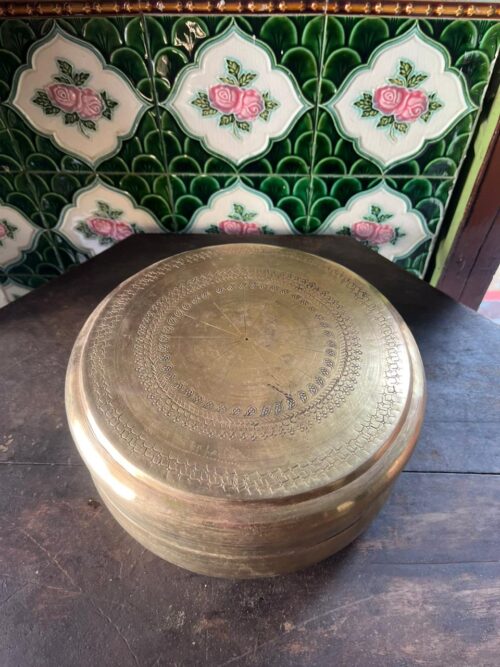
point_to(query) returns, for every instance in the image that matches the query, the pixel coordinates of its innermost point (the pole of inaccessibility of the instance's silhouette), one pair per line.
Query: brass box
(245, 409)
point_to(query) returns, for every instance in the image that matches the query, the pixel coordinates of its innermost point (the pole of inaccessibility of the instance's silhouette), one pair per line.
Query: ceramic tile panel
(237, 87)
(242, 125)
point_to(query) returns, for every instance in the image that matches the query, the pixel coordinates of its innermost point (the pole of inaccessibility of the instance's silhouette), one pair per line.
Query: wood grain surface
(420, 587)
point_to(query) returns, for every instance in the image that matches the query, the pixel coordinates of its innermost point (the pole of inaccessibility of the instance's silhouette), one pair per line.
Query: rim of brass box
(244, 409)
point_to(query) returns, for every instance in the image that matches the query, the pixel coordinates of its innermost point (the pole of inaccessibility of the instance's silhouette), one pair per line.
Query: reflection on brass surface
(244, 409)
(434, 8)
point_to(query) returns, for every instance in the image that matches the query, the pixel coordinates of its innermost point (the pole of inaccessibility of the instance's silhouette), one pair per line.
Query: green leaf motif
(63, 79)
(9, 230)
(243, 125)
(401, 127)
(201, 100)
(397, 81)
(385, 121)
(209, 112)
(226, 119)
(89, 124)
(233, 67)
(239, 209)
(434, 105)
(264, 114)
(416, 80)
(271, 104)
(425, 116)
(65, 68)
(42, 99)
(375, 210)
(80, 78)
(247, 78)
(71, 118)
(229, 80)
(405, 69)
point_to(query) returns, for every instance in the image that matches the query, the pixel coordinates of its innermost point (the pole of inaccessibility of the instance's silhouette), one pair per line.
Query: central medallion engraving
(254, 350)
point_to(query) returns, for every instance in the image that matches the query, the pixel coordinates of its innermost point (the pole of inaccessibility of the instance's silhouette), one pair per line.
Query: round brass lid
(243, 371)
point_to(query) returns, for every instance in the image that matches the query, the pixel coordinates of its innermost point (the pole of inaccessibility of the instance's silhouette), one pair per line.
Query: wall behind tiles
(234, 125)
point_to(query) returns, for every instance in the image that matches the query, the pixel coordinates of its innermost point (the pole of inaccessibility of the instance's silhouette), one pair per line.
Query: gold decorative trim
(428, 9)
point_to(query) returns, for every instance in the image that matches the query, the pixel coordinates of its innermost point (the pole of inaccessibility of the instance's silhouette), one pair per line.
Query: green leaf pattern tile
(102, 215)
(406, 95)
(69, 93)
(241, 211)
(234, 98)
(381, 219)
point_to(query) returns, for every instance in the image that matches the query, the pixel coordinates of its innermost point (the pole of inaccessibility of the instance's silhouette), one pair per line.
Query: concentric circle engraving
(246, 370)
(293, 346)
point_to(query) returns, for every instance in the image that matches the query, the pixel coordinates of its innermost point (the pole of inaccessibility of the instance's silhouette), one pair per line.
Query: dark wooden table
(420, 587)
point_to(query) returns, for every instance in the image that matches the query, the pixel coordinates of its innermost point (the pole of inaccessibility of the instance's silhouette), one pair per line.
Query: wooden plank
(466, 275)
(422, 586)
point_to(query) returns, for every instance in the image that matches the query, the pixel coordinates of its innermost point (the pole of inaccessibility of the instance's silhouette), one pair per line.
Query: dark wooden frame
(475, 253)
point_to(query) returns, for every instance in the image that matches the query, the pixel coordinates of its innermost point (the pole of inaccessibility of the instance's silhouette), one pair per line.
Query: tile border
(419, 8)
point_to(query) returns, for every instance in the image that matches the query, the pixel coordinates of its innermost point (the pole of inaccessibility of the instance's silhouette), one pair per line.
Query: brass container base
(244, 410)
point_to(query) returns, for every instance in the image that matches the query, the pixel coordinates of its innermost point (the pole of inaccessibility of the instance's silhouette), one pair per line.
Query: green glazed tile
(292, 48)
(278, 204)
(84, 113)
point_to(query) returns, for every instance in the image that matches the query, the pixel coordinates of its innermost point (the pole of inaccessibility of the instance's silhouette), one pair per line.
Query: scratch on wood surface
(78, 588)
(53, 560)
(300, 625)
(116, 628)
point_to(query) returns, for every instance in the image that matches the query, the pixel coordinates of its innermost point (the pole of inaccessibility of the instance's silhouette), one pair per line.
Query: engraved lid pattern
(305, 350)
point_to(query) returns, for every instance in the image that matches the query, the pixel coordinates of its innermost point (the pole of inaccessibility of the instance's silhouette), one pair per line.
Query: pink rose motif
(414, 105)
(388, 99)
(365, 231)
(101, 227)
(251, 229)
(251, 105)
(384, 234)
(231, 227)
(90, 104)
(3, 231)
(121, 231)
(225, 98)
(67, 98)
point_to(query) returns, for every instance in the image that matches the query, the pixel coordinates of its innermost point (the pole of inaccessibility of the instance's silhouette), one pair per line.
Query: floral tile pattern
(244, 125)
(225, 99)
(405, 96)
(241, 211)
(381, 219)
(16, 234)
(68, 92)
(101, 216)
